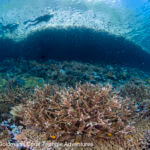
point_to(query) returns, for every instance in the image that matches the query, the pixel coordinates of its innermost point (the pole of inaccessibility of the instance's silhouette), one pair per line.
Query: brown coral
(77, 114)
(11, 96)
(140, 93)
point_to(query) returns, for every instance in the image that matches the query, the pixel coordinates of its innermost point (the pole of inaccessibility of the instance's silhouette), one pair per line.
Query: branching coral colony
(85, 113)
(139, 93)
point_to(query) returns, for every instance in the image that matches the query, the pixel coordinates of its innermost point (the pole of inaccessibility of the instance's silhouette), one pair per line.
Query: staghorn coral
(11, 96)
(142, 134)
(14, 94)
(140, 93)
(75, 114)
(38, 140)
(136, 90)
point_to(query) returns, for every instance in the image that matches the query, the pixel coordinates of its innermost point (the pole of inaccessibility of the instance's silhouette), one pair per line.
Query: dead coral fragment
(72, 114)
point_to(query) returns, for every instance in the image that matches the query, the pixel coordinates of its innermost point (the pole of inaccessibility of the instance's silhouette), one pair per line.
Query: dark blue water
(111, 32)
(79, 44)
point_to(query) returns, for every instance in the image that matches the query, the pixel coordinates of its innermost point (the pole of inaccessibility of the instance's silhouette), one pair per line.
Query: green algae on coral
(33, 82)
(2, 83)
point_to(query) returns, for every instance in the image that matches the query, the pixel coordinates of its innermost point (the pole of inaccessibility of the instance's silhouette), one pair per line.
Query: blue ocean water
(114, 30)
(119, 17)
(111, 31)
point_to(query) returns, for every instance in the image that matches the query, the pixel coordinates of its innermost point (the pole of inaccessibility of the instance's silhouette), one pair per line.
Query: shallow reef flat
(32, 73)
(73, 105)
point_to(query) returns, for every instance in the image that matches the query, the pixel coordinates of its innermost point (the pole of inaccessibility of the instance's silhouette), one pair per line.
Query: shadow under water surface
(81, 44)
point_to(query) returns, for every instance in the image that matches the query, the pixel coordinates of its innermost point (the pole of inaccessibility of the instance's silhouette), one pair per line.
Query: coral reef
(140, 93)
(145, 144)
(11, 96)
(31, 73)
(88, 111)
(142, 134)
(4, 138)
(51, 101)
